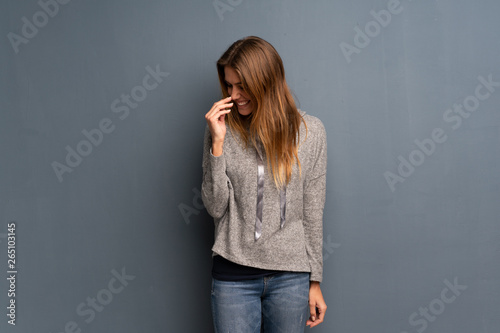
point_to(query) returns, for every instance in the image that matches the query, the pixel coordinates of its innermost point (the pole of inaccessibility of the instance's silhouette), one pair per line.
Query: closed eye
(229, 85)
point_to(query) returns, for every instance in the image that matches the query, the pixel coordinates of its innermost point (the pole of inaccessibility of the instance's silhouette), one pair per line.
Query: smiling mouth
(243, 103)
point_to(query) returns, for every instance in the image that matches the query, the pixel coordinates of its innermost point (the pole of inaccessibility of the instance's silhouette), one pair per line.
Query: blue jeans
(275, 303)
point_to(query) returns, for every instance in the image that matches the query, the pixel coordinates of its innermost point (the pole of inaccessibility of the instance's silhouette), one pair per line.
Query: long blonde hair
(275, 120)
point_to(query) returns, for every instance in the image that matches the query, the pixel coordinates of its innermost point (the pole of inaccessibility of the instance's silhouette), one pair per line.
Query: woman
(264, 175)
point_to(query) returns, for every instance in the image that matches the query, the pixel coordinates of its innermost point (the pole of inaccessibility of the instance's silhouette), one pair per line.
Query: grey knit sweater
(291, 237)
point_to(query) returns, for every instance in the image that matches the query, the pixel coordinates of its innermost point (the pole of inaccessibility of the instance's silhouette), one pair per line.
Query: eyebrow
(232, 83)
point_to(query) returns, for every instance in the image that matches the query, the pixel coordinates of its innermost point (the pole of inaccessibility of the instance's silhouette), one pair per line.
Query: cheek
(229, 91)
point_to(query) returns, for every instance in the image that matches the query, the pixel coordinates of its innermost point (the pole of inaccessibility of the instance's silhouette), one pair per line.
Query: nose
(235, 93)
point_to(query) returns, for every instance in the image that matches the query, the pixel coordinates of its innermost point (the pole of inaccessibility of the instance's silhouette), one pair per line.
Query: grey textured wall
(102, 117)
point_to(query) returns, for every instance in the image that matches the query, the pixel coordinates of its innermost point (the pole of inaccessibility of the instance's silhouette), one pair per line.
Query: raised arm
(214, 187)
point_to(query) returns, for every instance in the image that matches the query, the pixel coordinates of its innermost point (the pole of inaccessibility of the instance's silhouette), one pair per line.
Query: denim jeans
(275, 303)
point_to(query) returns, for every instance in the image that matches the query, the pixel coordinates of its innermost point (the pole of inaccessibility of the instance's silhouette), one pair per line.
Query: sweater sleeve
(215, 183)
(314, 202)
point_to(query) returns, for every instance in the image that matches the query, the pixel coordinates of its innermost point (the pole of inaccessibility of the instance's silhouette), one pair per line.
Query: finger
(222, 101)
(217, 110)
(225, 106)
(320, 319)
(220, 107)
(321, 313)
(312, 311)
(311, 324)
(217, 115)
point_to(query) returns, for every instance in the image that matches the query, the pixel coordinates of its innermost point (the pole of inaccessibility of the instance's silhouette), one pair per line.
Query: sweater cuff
(316, 276)
(211, 154)
(217, 166)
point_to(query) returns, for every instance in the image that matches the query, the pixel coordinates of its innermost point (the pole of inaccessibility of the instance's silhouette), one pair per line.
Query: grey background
(132, 202)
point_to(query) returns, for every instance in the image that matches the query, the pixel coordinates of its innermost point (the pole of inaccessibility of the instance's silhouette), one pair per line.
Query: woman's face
(244, 105)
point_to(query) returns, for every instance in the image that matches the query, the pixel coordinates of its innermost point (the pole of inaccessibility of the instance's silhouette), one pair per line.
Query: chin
(244, 113)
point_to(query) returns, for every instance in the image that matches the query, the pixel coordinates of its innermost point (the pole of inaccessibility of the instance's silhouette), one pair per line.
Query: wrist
(218, 143)
(217, 148)
(314, 284)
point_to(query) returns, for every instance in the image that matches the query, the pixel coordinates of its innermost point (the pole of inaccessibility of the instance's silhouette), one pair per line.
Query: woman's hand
(216, 123)
(317, 305)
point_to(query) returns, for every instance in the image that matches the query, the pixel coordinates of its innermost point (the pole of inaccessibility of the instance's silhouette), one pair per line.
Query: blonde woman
(264, 179)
